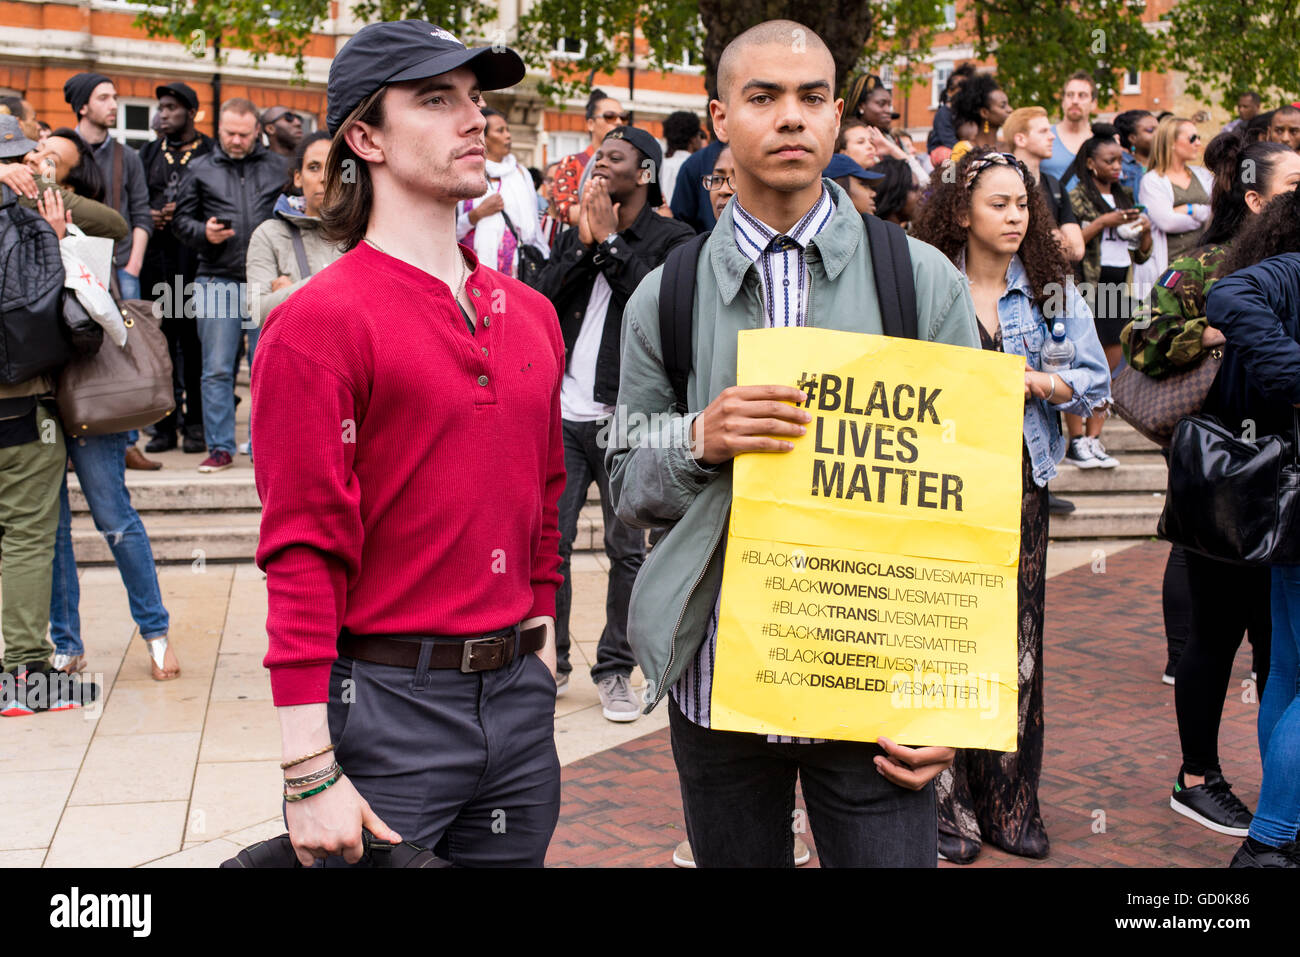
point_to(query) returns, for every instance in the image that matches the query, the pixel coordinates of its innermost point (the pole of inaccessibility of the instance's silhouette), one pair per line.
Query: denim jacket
(1024, 330)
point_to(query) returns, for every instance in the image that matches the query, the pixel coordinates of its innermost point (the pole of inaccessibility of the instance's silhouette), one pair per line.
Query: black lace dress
(993, 795)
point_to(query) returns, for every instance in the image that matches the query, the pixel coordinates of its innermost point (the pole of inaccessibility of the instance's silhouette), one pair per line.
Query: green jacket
(91, 217)
(1166, 335)
(1087, 211)
(655, 481)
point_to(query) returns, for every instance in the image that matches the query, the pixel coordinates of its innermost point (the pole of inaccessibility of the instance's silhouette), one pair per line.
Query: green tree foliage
(1039, 43)
(1228, 47)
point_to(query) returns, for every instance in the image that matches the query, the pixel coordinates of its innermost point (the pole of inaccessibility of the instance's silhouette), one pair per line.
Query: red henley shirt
(409, 471)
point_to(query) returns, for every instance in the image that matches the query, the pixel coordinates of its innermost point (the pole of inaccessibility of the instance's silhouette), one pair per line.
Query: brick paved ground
(1112, 746)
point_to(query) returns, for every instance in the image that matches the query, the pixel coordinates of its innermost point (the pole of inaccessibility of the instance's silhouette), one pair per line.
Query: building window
(949, 16)
(560, 145)
(942, 70)
(887, 75)
(133, 119)
(1132, 82)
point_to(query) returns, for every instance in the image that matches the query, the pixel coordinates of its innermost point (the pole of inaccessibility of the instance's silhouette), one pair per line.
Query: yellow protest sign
(869, 583)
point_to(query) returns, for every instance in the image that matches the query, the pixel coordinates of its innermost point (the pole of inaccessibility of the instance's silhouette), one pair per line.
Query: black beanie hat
(78, 89)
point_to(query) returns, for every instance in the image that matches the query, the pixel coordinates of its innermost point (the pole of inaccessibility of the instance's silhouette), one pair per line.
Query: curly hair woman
(988, 216)
(982, 102)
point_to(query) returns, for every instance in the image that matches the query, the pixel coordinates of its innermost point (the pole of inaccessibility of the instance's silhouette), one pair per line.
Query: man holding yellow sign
(788, 250)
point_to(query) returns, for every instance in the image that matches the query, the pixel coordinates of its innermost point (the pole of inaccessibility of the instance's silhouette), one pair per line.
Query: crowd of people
(1131, 239)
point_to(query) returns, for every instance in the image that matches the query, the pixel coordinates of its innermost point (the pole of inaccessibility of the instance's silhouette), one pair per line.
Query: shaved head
(736, 58)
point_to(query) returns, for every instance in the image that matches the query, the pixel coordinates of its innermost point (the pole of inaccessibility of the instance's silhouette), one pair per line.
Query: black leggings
(1226, 601)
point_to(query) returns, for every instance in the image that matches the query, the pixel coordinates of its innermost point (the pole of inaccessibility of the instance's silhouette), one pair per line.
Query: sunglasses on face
(1194, 138)
(609, 116)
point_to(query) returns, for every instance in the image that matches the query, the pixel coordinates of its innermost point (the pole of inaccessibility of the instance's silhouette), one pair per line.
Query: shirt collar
(753, 235)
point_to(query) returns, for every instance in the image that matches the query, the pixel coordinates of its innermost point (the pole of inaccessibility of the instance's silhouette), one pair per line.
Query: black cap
(77, 90)
(649, 148)
(392, 52)
(180, 91)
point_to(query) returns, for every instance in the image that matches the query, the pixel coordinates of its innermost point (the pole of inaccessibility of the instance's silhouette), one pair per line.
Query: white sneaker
(1099, 453)
(1080, 454)
(616, 699)
(245, 447)
(683, 856)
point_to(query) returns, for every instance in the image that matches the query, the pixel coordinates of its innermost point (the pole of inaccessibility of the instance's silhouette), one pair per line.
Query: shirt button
(486, 321)
(485, 350)
(785, 282)
(475, 292)
(482, 380)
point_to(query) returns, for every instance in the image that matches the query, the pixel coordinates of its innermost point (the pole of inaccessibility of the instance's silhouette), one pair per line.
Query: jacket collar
(637, 228)
(835, 245)
(1017, 278)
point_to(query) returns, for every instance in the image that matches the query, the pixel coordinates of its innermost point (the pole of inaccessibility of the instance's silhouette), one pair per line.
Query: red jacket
(409, 471)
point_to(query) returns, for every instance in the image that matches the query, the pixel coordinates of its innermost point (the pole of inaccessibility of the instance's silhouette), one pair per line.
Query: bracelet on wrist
(291, 798)
(285, 765)
(1052, 379)
(312, 778)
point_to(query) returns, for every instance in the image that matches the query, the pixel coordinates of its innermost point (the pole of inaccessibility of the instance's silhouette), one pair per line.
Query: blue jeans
(98, 461)
(222, 317)
(1278, 816)
(128, 285)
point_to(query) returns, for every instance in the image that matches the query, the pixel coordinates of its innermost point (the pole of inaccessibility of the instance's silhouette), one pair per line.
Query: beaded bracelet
(316, 790)
(285, 765)
(312, 778)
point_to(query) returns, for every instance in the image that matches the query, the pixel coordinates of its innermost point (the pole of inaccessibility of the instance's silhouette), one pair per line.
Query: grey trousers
(463, 764)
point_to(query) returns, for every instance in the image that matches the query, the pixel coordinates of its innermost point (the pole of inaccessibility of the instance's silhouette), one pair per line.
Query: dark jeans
(187, 377)
(584, 461)
(1226, 601)
(738, 800)
(463, 764)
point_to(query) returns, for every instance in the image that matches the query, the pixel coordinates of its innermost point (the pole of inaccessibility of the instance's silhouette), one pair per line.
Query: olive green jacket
(654, 479)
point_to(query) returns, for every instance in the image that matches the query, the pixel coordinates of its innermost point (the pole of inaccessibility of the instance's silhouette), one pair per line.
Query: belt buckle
(467, 653)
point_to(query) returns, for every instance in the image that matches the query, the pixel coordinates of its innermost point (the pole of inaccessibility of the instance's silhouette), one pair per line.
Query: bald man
(868, 804)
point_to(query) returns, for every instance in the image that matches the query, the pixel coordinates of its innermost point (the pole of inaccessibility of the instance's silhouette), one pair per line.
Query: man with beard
(1078, 100)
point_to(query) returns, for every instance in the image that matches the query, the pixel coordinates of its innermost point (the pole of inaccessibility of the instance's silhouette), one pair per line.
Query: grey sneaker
(561, 683)
(616, 699)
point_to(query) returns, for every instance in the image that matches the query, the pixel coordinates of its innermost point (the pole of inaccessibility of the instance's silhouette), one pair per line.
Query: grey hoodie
(271, 254)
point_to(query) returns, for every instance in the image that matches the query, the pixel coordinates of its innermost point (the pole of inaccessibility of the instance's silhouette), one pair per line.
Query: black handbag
(1232, 499)
(278, 852)
(531, 259)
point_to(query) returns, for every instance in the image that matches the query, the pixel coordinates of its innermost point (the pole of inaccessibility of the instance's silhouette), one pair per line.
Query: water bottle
(1058, 351)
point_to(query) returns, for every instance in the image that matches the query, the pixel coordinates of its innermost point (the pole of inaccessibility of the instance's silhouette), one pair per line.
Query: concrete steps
(193, 517)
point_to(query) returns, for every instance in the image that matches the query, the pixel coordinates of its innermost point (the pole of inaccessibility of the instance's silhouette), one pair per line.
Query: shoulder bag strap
(299, 251)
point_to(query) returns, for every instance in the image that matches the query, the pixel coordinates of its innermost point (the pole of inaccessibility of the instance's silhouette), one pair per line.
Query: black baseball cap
(648, 146)
(392, 52)
(181, 91)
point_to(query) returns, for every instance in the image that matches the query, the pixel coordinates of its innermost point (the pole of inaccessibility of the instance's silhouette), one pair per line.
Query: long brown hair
(349, 192)
(938, 224)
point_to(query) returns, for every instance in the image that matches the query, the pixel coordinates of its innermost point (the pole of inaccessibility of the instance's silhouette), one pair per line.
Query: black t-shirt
(1058, 200)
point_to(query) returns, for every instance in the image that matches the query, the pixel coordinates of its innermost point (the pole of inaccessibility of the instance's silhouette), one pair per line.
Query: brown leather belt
(487, 653)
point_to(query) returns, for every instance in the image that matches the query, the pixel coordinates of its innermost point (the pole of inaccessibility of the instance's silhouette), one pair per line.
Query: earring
(986, 126)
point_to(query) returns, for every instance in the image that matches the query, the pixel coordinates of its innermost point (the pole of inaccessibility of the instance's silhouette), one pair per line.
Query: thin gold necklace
(462, 273)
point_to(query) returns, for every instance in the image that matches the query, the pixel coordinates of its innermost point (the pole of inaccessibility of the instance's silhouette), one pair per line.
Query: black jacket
(572, 270)
(243, 191)
(1258, 310)
(166, 256)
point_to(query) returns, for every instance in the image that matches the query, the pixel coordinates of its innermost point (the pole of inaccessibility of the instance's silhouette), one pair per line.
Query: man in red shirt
(410, 461)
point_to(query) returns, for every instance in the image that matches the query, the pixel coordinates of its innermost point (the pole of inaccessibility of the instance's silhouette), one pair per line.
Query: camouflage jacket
(1166, 334)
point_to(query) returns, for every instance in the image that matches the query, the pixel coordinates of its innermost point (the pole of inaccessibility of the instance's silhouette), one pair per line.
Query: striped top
(784, 285)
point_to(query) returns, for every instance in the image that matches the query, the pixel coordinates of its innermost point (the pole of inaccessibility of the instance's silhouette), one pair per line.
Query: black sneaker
(162, 442)
(1059, 506)
(42, 688)
(1079, 453)
(1253, 853)
(192, 442)
(1212, 805)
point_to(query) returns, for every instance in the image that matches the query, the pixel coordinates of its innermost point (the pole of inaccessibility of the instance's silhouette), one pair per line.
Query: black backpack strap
(676, 305)
(891, 263)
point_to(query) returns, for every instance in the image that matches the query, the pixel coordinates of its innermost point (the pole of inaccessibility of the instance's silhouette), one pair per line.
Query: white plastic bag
(92, 292)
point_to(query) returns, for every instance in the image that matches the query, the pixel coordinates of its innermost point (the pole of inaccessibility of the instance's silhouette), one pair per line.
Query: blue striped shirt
(784, 283)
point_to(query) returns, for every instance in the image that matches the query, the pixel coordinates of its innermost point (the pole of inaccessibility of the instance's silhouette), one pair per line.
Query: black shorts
(1113, 304)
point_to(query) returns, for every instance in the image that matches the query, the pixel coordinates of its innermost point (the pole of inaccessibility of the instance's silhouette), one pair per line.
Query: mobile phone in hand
(225, 223)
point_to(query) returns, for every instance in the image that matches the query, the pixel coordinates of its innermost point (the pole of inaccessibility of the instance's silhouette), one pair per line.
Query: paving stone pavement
(184, 773)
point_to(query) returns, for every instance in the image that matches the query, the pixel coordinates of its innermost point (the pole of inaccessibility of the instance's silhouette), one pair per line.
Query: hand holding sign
(743, 418)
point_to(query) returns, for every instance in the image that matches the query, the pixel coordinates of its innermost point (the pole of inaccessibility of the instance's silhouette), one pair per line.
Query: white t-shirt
(1114, 251)
(668, 171)
(576, 402)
